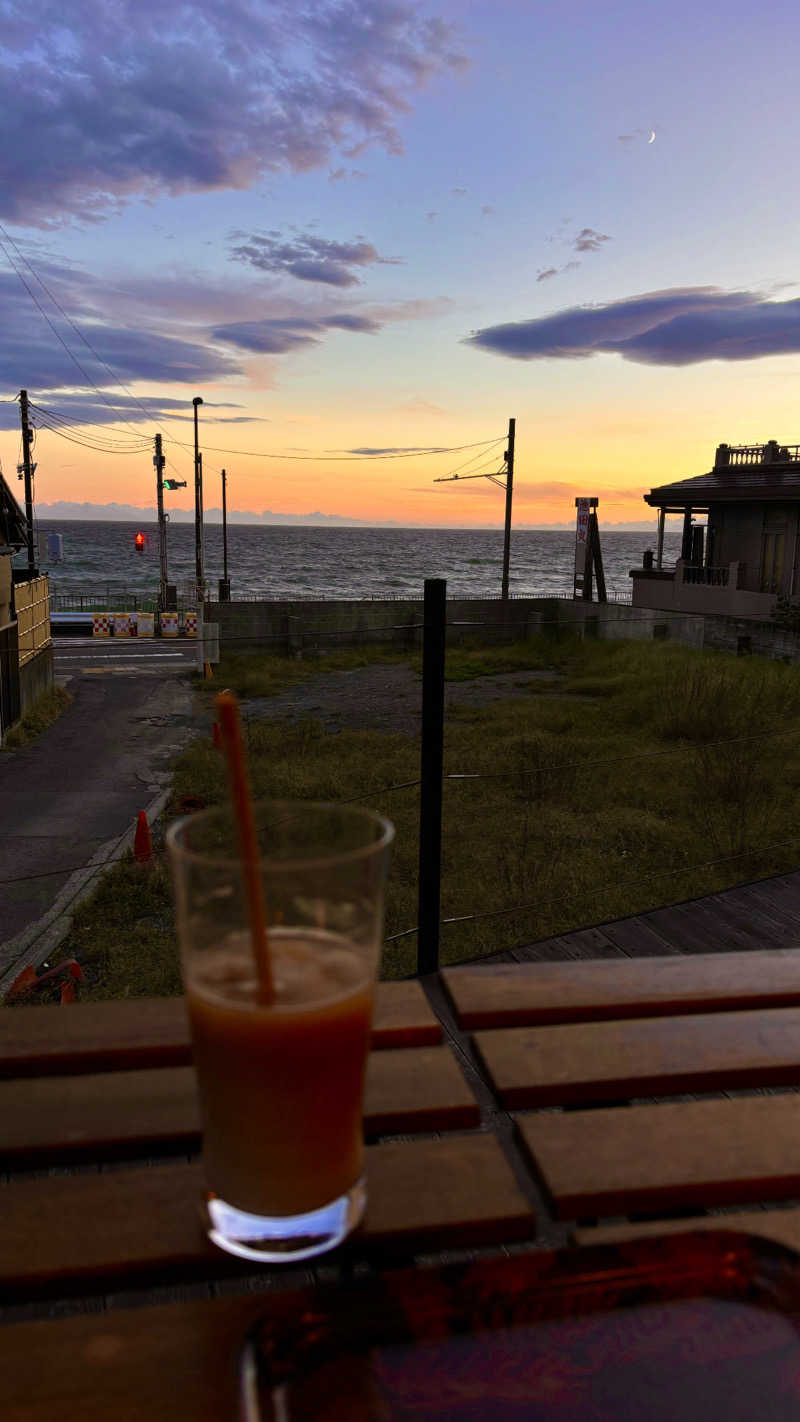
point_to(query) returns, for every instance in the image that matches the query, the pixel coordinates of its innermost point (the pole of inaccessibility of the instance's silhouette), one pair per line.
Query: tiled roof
(13, 526)
(734, 484)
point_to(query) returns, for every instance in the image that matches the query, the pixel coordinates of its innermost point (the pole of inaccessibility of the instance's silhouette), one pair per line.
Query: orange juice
(282, 1086)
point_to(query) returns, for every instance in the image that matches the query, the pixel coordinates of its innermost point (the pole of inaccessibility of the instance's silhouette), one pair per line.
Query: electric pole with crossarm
(506, 472)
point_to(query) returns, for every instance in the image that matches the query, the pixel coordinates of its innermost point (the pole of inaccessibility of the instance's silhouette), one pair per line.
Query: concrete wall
(668, 592)
(35, 677)
(305, 628)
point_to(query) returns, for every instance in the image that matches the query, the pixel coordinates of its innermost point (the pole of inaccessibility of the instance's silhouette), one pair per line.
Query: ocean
(315, 562)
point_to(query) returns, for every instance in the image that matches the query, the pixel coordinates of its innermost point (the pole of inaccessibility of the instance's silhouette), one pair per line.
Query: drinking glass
(281, 1082)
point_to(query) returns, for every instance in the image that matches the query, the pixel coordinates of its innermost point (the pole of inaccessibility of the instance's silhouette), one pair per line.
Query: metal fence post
(431, 768)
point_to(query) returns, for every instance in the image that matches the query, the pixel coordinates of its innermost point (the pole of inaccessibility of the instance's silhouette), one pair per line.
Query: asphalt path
(67, 799)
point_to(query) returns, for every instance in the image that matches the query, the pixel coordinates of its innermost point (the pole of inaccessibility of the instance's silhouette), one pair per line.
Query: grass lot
(45, 710)
(610, 785)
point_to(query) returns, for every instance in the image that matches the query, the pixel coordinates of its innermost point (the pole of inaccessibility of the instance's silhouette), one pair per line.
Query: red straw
(241, 795)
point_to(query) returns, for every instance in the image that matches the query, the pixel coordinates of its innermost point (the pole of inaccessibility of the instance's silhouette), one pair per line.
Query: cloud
(459, 192)
(678, 326)
(588, 240)
(420, 406)
(308, 258)
(396, 449)
(339, 175)
(112, 408)
(277, 335)
(102, 103)
(549, 272)
(32, 356)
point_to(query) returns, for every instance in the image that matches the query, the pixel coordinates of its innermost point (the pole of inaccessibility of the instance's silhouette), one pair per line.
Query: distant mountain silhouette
(65, 509)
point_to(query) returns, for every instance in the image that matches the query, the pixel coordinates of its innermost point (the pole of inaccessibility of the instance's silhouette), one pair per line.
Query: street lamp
(198, 507)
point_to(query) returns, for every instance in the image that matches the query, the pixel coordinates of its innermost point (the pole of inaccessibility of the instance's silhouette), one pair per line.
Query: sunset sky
(358, 227)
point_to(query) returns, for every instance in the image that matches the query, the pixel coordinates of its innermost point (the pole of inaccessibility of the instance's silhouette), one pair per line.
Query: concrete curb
(34, 944)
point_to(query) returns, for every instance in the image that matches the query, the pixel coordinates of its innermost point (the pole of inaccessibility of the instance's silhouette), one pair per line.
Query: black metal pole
(159, 461)
(27, 436)
(224, 529)
(198, 507)
(512, 426)
(431, 768)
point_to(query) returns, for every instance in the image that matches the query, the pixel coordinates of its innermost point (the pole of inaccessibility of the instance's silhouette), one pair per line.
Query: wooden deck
(765, 914)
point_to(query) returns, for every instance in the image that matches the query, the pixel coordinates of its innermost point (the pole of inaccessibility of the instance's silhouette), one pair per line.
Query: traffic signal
(140, 542)
(174, 484)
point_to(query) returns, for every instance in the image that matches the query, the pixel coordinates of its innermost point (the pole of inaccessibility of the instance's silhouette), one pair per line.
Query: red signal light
(140, 542)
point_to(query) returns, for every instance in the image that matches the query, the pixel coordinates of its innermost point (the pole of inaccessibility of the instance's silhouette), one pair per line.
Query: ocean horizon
(278, 562)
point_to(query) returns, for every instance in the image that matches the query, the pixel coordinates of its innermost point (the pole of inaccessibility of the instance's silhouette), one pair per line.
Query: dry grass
(607, 796)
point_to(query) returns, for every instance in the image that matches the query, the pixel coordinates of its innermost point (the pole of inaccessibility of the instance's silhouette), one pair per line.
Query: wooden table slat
(172, 1362)
(505, 995)
(612, 1061)
(781, 1225)
(640, 1159)
(70, 1234)
(44, 1120)
(153, 1032)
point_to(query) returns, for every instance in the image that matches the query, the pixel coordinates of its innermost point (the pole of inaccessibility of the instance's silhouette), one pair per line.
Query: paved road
(70, 795)
(92, 656)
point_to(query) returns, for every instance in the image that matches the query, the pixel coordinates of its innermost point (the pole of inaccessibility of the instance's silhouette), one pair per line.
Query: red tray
(688, 1328)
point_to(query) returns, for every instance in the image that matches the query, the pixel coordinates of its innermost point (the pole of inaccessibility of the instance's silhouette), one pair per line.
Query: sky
(365, 230)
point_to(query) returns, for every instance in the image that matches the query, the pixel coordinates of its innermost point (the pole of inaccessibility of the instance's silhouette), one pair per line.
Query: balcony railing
(706, 577)
(757, 454)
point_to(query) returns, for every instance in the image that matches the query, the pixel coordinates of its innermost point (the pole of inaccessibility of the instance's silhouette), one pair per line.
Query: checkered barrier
(169, 624)
(101, 624)
(190, 624)
(145, 624)
(124, 625)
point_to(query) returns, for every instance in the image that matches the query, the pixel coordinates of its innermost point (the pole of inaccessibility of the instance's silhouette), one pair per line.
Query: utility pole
(159, 462)
(224, 585)
(496, 478)
(198, 507)
(27, 470)
(509, 457)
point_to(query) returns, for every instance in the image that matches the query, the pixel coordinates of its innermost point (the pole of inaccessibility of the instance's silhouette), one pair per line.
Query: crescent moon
(652, 137)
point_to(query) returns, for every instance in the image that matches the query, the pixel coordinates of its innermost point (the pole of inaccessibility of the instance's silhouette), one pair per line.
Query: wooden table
(509, 1105)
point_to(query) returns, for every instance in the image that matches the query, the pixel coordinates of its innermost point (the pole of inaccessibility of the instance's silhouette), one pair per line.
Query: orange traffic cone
(142, 843)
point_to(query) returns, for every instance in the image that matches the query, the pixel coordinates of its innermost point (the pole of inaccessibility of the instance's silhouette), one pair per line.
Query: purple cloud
(308, 258)
(102, 103)
(588, 240)
(31, 356)
(679, 326)
(282, 335)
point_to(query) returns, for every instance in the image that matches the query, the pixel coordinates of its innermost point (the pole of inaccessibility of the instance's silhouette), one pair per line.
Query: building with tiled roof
(740, 549)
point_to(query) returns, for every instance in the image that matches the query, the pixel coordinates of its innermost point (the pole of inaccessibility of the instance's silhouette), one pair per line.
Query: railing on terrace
(752, 454)
(707, 577)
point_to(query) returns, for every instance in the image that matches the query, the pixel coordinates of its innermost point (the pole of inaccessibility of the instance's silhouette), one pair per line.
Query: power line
(344, 458)
(53, 419)
(117, 381)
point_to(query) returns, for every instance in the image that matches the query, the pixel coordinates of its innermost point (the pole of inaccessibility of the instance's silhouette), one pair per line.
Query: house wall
(738, 536)
(35, 677)
(5, 592)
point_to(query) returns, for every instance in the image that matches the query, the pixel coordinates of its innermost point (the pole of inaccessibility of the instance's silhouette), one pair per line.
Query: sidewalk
(70, 798)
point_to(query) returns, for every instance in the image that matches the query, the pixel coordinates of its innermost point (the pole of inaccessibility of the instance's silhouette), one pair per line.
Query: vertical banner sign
(581, 544)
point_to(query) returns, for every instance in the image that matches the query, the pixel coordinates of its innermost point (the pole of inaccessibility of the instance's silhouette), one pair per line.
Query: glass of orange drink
(281, 1027)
